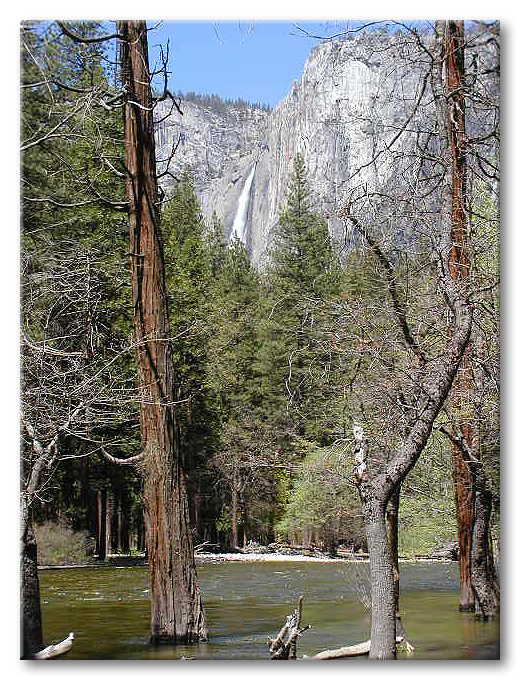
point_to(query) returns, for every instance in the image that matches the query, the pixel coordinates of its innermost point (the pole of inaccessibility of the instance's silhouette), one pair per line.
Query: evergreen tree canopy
(303, 269)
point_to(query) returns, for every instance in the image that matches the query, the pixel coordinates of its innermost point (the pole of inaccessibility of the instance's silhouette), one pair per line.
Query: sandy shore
(267, 557)
(213, 558)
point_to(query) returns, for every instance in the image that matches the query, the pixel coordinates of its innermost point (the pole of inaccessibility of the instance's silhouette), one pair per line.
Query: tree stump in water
(283, 646)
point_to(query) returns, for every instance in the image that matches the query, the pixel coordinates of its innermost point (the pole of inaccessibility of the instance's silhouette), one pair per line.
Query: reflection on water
(108, 610)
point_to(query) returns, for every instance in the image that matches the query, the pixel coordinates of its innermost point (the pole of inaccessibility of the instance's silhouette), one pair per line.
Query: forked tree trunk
(176, 609)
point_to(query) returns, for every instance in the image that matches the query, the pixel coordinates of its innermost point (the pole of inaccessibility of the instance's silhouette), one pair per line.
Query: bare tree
(73, 388)
(402, 347)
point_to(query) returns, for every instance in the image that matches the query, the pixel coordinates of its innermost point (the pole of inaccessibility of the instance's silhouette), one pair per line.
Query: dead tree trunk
(283, 646)
(176, 609)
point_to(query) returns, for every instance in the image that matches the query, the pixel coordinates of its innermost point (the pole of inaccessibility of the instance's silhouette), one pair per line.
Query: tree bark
(31, 638)
(109, 521)
(484, 581)
(125, 522)
(392, 518)
(102, 524)
(463, 387)
(448, 84)
(464, 501)
(382, 636)
(176, 609)
(234, 509)
(244, 520)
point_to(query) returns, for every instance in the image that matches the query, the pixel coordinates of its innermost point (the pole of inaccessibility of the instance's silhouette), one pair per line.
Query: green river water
(108, 610)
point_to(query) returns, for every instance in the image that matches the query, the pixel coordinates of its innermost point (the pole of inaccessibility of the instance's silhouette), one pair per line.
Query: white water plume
(239, 223)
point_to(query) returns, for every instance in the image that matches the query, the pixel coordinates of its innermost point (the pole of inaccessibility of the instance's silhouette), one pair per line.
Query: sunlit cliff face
(346, 109)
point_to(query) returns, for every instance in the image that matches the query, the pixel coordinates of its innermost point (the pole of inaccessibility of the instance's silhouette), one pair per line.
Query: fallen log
(53, 651)
(283, 646)
(362, 649)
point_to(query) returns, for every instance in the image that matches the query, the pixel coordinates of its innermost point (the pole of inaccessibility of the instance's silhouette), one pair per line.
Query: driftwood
(363, 648)
(55, 650)
(201, 547)
(283, 646)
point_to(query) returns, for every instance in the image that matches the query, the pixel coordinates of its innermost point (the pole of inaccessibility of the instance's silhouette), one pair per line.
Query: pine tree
(304, 269)
(189, 282)
(234, 348)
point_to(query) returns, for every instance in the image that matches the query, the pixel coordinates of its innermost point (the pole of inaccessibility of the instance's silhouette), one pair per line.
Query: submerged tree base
(173, 640)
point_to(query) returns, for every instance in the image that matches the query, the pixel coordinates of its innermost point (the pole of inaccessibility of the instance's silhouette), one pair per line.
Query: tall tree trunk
(234, 509)
(109, 521)
(125, 522)
(463, 385)
(392, 519)
(244, 520)
(119, 522)
(382, 578)
(31, 637)
(484, 581)
(197, 517)
(102, 524)
(464, 500)
(483, 575)
(176, 607)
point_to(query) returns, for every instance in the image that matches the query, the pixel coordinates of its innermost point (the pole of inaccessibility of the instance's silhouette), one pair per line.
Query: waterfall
(239, 223)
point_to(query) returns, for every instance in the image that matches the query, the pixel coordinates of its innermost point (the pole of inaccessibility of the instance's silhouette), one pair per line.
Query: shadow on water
(108, 609)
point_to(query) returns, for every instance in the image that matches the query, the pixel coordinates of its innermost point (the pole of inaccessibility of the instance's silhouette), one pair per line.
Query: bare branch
(133, 460)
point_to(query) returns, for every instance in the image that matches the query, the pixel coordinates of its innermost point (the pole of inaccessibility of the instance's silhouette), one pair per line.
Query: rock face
(218, 148)
(338, 116)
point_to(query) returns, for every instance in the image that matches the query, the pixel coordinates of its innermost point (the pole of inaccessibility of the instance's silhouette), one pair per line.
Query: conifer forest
(189, 407)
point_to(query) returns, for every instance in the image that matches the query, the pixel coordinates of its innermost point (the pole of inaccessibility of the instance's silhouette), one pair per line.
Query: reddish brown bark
(464, 498)
(176, 608)
(459, 270)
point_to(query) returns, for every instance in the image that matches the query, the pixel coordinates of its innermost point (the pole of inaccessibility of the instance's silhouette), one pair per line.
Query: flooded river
(245, 602)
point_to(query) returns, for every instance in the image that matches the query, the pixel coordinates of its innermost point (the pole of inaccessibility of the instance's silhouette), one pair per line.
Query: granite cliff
(348, 108)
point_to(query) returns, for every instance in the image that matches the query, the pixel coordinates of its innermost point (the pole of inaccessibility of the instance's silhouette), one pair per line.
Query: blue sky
(254, 60)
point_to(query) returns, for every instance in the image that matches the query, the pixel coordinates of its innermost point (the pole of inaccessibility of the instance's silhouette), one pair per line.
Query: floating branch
(55, 650)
